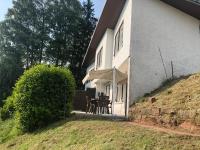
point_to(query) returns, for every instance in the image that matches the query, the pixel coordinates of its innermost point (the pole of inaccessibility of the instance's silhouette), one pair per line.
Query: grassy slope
(93, 134)
(182, 97)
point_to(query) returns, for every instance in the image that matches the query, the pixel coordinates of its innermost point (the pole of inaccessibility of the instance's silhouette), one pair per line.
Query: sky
(5, 4)
(98, 5)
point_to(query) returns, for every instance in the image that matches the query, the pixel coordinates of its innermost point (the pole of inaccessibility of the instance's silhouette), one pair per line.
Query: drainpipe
(128, 88)
(114, 89)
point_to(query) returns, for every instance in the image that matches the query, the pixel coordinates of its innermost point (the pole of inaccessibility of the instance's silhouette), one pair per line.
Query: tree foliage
(42, 95)
(11, 66)
(44, 31)
(197, 1)
(81, 41)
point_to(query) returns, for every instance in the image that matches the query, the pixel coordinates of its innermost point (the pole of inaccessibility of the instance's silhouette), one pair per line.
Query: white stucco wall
(90, 84)
(119, 61)
(157, 25)
(107, 47)
(106, 44)
(124, 52)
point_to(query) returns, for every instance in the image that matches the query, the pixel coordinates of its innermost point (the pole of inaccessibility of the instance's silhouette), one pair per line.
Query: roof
(108, 19)
(112, 11)
(191, 7)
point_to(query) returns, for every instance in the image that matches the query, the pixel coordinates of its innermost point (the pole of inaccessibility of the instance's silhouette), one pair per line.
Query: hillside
(176, 104)
(87, 133)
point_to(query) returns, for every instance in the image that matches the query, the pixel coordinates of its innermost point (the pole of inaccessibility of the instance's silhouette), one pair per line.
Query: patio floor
(100, 116)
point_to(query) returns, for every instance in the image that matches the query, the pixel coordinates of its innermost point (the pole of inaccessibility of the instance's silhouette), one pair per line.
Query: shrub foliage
(8, 109)
(42, 95)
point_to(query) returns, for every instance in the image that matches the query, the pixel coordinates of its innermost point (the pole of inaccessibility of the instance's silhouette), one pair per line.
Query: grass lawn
(177, 102)
(77, 133)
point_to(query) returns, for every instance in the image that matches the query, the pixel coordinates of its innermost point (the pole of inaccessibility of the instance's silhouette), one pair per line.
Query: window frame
(99, 58)
(108, 89)
(122, 91)
(119, 39)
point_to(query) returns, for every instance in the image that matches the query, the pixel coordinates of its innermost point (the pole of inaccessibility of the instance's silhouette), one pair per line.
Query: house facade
(138, 44)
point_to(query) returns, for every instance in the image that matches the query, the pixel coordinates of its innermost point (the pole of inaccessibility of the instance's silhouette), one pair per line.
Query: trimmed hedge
(41, 95)
(8, 109)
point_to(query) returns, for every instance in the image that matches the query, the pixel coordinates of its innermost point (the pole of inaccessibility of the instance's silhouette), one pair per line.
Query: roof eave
(187, 6)
(108, 19)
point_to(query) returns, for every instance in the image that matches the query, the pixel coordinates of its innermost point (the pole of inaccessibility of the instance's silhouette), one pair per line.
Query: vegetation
(197, 1)
(8, 109)
(10, 70)
(42, 95)
(7, 130)
(39, 31)
(173, 104)
(77, 133)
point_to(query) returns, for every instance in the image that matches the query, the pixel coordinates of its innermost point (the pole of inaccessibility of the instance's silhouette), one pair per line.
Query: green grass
(93, 134)
(7, 130)
(180, 96)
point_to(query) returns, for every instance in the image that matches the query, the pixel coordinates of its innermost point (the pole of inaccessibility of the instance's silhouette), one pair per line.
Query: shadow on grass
(9, 130)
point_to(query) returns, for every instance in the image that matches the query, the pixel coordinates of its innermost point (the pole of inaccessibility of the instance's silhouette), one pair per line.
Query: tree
(44, 31)
(27, 20)
(197, 1)
(81, 41)
(64, 17)
(10, 70)
(11, 66)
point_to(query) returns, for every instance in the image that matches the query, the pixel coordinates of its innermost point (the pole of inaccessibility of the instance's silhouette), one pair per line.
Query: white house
(138, 44)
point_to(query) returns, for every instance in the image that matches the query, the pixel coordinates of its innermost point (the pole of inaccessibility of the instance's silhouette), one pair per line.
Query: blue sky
(98, 5)
(5, 4)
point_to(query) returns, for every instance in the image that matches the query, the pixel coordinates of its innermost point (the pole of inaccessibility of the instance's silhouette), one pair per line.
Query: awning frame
(106, 74)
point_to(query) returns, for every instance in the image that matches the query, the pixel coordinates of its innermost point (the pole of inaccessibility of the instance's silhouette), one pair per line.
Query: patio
(84, 115)
(109, 90)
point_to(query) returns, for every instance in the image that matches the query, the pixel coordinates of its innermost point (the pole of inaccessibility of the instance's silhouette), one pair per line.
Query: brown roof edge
(108, 19)
(187, 6)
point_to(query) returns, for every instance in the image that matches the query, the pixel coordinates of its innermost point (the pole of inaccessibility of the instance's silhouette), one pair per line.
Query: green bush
(8, 109)
(41, 95)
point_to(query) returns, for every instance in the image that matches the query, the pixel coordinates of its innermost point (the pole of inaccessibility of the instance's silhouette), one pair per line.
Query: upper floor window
(119, 39)
(99, 58)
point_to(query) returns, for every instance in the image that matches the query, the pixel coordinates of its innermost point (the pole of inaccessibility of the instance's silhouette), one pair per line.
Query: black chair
(107, 104)
(101, 105)
(89, 106)
(104, 104)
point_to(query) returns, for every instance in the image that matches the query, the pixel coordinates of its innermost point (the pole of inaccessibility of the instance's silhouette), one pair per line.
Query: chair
(89, 105)
(103, 104)
(107, 104)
